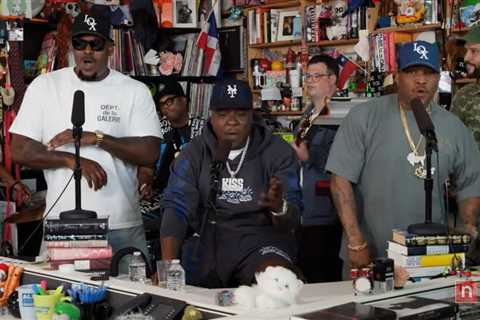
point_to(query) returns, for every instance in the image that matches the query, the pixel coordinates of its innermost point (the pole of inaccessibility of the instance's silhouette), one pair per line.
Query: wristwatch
(99, 134)
(284, 209)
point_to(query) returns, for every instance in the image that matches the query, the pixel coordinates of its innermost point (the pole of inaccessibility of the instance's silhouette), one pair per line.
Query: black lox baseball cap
(231, 94)
(92, 24)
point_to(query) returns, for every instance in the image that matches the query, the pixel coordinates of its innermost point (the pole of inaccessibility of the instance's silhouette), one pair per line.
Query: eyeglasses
(97, 44)
(167, 103)
(315, 76)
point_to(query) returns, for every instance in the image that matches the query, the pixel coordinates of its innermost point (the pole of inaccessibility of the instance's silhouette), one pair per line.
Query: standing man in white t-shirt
(121, 132)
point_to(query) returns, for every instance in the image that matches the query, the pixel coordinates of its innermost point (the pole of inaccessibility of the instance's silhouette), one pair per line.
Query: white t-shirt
(118, 106)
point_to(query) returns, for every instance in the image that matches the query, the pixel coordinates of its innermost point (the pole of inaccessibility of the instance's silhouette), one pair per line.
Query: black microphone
(221, 153)
(424, 122)
(78, 109)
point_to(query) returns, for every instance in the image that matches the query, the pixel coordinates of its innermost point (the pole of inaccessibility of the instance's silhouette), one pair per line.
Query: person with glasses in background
(320, 233)
(177, 128)
(120, 133)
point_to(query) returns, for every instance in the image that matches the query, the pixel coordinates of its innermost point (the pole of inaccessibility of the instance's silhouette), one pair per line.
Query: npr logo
(466, 291)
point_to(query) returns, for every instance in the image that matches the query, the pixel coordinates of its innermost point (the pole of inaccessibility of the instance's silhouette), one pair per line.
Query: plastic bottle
(176, 276)
(137, 268)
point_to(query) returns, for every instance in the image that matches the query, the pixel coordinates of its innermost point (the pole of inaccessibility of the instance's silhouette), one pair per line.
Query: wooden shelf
(276, 44)
(411, 28)
(176, 77)
(27, 20)
(461, 30)
(332, 43)
(275, 5)
(279, 113)
(465, 80)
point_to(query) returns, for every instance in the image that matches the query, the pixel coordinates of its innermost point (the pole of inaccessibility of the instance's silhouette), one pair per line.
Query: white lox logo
(90, 21)
(232, 91)
(421, 50)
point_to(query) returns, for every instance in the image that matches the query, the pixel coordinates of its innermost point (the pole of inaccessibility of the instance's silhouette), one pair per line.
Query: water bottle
(137, 268)
(176, 276)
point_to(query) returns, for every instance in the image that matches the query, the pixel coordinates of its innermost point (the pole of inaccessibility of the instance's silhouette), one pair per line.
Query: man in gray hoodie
(233, 197)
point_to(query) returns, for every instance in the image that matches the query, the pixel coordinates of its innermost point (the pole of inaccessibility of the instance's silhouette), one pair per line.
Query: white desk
(313, 296)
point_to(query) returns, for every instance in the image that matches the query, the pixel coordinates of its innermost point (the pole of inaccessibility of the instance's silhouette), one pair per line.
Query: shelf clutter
(363, 36)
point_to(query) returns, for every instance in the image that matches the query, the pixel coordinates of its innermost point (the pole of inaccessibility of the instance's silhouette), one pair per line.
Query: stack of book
(81, 242)
(427, 256)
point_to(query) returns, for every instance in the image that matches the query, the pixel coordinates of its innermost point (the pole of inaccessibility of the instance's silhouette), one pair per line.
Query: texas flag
(208, 42)
(348, 67)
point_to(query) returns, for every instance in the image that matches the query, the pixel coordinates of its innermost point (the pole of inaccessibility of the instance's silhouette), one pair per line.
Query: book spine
(75, 237)
(76, 229)
(443, 313)
(80, 265)
(427, 250)
(84, 264)
(409, 240)
(79, 253)
(78, 244)
(425, 261)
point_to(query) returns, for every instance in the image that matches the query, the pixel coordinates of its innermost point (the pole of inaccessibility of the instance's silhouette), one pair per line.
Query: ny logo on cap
(421, 50)
(90, 21)
(232, 91)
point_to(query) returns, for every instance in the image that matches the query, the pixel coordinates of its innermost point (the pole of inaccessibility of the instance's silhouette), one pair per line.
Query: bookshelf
(264, 41)
(415, 28)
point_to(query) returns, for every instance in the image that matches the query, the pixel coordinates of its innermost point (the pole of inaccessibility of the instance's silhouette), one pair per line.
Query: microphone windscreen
(421, 115)
(78, 109)
(222, 151)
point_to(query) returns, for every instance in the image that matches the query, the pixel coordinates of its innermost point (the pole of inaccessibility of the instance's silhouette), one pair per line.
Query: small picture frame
(289, 25)
(184, 14)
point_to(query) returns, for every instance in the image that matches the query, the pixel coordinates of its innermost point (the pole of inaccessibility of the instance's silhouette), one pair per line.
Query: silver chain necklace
(244, 152)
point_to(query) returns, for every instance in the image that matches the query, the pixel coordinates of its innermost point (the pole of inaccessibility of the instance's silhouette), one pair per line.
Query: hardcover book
(351, 310)
(416, 308)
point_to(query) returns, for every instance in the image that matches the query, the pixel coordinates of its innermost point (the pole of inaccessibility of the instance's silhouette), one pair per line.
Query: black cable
(48, 212)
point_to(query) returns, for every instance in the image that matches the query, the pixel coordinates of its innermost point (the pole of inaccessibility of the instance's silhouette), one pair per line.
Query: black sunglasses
(97, 44)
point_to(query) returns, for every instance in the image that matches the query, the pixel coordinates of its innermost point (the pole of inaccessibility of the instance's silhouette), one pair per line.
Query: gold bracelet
(360, 247)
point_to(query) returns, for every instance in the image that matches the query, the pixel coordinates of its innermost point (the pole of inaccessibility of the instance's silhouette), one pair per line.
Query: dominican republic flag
(208, 43)
(348, 67)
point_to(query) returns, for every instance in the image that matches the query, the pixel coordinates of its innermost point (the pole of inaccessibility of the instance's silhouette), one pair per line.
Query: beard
(84, 77)
(475, 73)
(94, 77)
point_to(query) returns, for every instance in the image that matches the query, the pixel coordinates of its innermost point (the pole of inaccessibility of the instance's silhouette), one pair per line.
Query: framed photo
(184, 14)
(204, 8)
(289, 26)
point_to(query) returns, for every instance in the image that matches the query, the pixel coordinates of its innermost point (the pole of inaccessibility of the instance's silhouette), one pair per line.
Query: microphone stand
(428, 228)
(209, 237)
(78, 212)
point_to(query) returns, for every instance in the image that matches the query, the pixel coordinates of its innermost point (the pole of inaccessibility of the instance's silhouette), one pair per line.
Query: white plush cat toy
(276, 287)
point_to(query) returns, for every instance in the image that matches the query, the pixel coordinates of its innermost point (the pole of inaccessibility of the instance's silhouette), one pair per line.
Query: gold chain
(406, 129)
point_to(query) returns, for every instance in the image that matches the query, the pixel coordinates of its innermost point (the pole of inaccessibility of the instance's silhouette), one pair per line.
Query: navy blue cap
(231, 94)
(92, 24)
(419, 53)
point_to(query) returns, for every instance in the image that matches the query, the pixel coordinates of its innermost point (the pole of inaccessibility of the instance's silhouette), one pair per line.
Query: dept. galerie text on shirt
(109, 113)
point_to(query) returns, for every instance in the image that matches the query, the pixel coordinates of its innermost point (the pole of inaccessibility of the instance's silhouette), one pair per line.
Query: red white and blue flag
(208, 42)
(348, 68)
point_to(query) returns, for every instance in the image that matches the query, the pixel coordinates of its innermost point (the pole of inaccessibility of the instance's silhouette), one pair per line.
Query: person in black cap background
(177, 129)
(247, 225)
(379, 152)
(121, 131)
